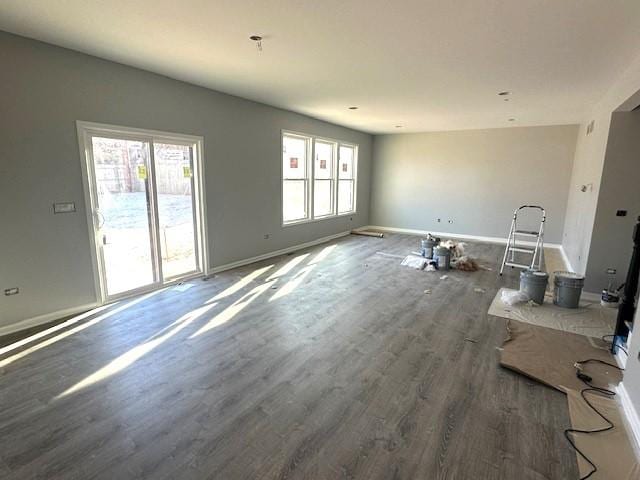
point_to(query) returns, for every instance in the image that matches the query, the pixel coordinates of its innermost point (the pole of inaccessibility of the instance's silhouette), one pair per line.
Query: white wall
(631, 379)
(45, 89)
(475, 178)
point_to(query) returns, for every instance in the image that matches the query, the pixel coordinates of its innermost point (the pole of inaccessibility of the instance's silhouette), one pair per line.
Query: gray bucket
(443, 256)
(567, 287)
(427, 247)
(534, 284)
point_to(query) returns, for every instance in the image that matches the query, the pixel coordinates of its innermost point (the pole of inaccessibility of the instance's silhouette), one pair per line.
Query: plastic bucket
(567, 287)
(443, 256)
(427, 247)
(534, 284)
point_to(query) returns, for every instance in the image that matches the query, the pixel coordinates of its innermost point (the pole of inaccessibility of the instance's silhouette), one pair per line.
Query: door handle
(99, 219)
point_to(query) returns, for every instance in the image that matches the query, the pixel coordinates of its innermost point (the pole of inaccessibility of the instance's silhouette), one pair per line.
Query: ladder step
(526, 233)
(518, 265)
(521, 250)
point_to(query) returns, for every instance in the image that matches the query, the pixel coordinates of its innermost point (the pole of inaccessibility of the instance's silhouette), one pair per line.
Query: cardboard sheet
(548, 356)
(611, 451)
(590, 319)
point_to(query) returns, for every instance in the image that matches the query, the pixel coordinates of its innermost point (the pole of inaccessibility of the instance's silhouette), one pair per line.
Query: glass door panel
(176, 207)
(123, 214)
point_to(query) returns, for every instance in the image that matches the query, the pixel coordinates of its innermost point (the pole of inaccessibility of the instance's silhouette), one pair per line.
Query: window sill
(318, 219)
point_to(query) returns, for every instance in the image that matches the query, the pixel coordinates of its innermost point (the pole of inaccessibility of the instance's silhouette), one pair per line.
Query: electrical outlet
(621, 213)
(11, 291)
(266, 236)
(439, 220)
(450, 221)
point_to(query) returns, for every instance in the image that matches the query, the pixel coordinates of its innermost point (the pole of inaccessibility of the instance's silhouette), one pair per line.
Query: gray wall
(45, 89)
(619, 190)
(476, 178)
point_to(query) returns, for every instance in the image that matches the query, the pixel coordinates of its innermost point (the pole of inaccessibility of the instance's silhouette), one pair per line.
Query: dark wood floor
(345, 370)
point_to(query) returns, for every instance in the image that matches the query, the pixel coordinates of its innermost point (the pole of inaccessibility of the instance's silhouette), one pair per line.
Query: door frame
(85, 130)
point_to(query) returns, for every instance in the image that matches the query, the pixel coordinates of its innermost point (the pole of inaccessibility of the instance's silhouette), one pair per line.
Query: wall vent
(590, 127)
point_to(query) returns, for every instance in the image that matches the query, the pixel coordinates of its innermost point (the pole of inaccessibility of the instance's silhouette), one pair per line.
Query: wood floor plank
(327, 363)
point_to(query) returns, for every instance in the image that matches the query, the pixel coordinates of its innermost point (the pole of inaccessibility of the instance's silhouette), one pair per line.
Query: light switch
(64, 207)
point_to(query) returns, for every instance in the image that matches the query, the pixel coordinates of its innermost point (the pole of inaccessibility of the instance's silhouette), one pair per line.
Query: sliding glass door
(124, 213)
(144, 201)
(176, 209)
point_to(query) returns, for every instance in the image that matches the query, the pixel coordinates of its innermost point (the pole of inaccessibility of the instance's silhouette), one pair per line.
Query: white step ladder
(514, 247)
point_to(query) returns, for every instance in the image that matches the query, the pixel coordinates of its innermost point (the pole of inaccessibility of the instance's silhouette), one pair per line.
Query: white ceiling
(424, 64)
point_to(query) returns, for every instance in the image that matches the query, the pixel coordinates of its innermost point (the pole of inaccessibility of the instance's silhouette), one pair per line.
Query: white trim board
(632, 418)
(411, 231)
(275, 253)
(45, 318)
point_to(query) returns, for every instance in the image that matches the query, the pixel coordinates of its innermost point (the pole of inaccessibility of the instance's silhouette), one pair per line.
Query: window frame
(307, 179)
(310, 178)
(354, 175)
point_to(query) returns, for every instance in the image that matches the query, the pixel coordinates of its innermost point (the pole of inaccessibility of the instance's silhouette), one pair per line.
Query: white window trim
(311, 218)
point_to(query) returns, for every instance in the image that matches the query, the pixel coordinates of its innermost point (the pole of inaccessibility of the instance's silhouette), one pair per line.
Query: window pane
(345, 169)
(324, 160)
(293, 200)
(345, 196)
(322, 198)
(294, 157)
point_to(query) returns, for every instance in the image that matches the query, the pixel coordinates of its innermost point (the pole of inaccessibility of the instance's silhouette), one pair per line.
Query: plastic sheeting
(592, 320)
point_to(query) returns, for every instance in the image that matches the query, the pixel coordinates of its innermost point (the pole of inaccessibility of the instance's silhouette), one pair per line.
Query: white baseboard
(631, 416)
(46, 318)
(49, 317)
(283, 251)
(464, 236)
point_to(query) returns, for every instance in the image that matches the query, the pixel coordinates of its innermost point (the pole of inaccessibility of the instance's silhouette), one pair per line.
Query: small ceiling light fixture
(258, 40)
(512, 119)
(504, 94)
(399, 126)
(353, 108)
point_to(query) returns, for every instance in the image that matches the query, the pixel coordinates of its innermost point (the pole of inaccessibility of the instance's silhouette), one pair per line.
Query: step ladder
(516, 236)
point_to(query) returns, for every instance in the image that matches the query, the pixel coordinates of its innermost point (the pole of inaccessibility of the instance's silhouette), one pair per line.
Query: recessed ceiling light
(502, 94)
(353, 108)
(512, 119)
(399, 126)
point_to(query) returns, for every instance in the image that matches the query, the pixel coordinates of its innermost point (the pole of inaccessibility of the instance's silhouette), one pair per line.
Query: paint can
(428, 245)
(567, 288)
(443, 256)
(534, 284)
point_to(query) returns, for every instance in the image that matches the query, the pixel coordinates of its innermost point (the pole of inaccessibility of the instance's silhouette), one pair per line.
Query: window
(318, 178)
(295, 178)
